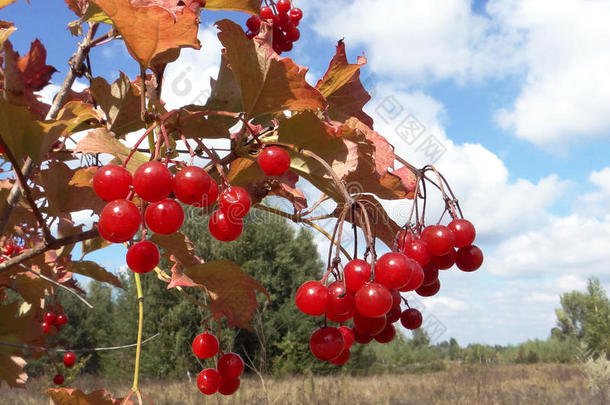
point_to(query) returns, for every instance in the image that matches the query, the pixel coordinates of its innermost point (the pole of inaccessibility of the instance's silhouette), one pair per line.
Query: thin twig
(95, 349)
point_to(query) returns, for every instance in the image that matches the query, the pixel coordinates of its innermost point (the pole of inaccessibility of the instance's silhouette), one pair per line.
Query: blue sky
(515, 93)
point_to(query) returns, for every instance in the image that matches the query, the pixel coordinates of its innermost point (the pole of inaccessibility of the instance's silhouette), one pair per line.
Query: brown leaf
(247, 6)
(268, 83)
(71, 396)
(4, 3)
(232, 292)
(179, 279)
(342, 88)
(94, 271)
(18, 326)
(211, 127)
(31, 287)
(103, 141)
(178, 245)
(152, 35)
(11, 370)
(6, 29)
(83, 177)
(35, 72)
(78, 6)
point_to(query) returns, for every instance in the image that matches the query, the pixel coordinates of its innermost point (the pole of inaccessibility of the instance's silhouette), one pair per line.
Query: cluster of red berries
(69, 361)
(51, 319)
(11, 249)
(225, 377)
(284, 21)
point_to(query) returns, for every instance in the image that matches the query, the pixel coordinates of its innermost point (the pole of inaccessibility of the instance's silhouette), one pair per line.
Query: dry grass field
(510, 385)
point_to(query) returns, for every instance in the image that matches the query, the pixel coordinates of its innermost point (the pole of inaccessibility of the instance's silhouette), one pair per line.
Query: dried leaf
(78, 6)
(178, 245)
(70, 396)
(4, 3)
(247, 6)
(11, 370)
(103, 141)
(35, 73)
(6, 29)
(94, 271)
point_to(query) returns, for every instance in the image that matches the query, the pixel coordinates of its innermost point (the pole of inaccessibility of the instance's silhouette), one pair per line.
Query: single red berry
(210, 197)
(235, 202)
(293, 34)
(340, 302)
(403, 238)
(393, 270)
(445, 262)
(369, 326)
(208, 381)
(61, 319)
(396, 297)
(373, 300)
(340, 318)
(463, 231)
(190, 184)
(111, 182)
(152, 181)
(119, 221)
(430, 289)
(417, 251)
(430, 274)
(142, 257)
(348, 336)
(438, 239)
(356, 273)
(164, 217)
(312, 298)
(230, 365)
(50, 317)
(295, 15)
(46, 327)
(283, 6)
(69, 359)
(205, 345)
(224, 227)
(266, 13)
(326, 343)
(274, 161)
(393, 314)
(58, 379)
(411, 318)
(9, 248)
(228, 386)
(469, 258)
(386, 335)
(253, 23)
(417, 278)
(342, 358)
(361, 337)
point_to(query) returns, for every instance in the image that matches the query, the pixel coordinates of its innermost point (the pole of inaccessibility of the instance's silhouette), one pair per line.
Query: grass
(510, 385)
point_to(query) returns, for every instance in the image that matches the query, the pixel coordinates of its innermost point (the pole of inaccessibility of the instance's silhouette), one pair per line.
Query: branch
(95, 349)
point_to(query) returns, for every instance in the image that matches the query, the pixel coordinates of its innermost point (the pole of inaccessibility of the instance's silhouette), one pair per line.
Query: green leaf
(94, 271)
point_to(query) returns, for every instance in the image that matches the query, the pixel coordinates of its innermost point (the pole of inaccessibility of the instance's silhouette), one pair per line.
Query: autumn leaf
(36, 74)
(268, 82)
(94, 271)
(120, 102)
(83, 177)
(4, 3)
(152, 35)
(11, 370)
(178, 245)
(70, 396)
(78, 6)
(32, 288)
(6, 29)
(232, 292)
(211, 127)
(103, 141)
(247, 6)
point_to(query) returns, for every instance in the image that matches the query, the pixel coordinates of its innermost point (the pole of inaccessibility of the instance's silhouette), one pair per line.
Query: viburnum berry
(274, 161)
(438, 239)
(266, 13)
(58, 379)
(210, 197)
(361, 337)
(293, 34)
(340, 302)
(205, 345)
(208, 381)
(463, 231)
(386, 335)
(430, 274)
(340, 318)
(190, 184)
(430, 289)
(411, 318)
(326, 343)
(230, 365)
(223, 227)
(164, 217)
(393, 270)
(369, 326)
(312, 298)
(61, 319)
(283, 6)
(469, 258)
(396, 297)
(348, 336)
(373, 300)
(46, 327)
(342, 358)
(356, 273)
(445, 262)
(417, 278)
(69, 359)
(393, 314)
(417, 251)
(152, 181)
(111, 182)
(8, 249)
(295, 15)
(253, 23)
(235, 202)
(50, 317)
(403, 238)
(228, 386)
(142, 257)
(119, 221)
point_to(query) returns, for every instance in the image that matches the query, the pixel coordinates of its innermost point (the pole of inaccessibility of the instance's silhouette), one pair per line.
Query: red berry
(9, 248)
(293, 34)
(208, 381)
(342, 358)
(164, 217)
(266, 13)
(430, 274)
(58, 379)
(411, 318)
(228, 386)
(348, 336)
(393, 314)
(50, 317)
(61, 319)
(340, 302)
(111, 182)
(445, 262)
(356, 273)
(340, 318)
(393, 270)
(295, 15)
(326, 343)
(283, 6)
(469, 258)
(230, 365)
(210, 197)
(312, 298)
(386, 335)
(361, 337)
(190, 184)
(225, 228)
(417, 278)
(205, 345)
(438, 239)
(430, 289)
(69, 359)
(235, 202)
(463, 231)
(403, 238)
(373, 300)
(152, 181)
(253, 23)
(46, 327)
(396, 297)
(119, 221)
(369, 326)
(417, 251)
(142, 257)
(274, 161)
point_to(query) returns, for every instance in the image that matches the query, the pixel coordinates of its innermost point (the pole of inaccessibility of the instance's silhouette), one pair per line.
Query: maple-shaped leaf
(152, 35)
(11, 370)
(268, 82)
(247, 6)
(103, 141)
(120, 102)
(78, 6)
(343, 90)
(35, 73)
(178, 245)
(232, 292)
(70, 396)
(94, 271)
